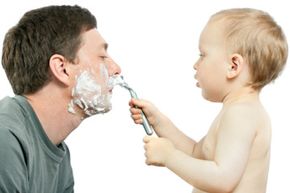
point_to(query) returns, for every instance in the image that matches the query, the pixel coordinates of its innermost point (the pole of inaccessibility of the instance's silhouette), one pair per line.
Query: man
(60, 71)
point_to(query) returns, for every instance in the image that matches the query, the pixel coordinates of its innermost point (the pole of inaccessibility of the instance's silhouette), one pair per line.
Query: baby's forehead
(212, 33)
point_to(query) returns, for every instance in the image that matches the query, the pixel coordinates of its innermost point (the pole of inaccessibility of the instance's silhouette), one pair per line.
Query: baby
(241, 51)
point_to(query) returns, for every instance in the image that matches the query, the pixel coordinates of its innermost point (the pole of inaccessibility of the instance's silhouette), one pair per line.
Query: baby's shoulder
(248, 108)
(246, 113)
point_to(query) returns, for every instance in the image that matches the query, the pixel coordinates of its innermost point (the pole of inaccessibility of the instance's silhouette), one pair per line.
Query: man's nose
(113, 67)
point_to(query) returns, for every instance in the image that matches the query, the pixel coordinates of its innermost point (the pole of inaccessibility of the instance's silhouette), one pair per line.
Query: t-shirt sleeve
(13, 169)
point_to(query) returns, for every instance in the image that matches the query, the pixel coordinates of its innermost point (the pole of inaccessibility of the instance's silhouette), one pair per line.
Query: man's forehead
(94, 38)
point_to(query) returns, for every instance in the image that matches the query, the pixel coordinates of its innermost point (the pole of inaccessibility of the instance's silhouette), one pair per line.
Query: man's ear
(235, 66)
(58, 65)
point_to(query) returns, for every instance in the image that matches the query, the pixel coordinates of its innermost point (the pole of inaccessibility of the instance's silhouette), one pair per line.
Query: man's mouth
(197, 84)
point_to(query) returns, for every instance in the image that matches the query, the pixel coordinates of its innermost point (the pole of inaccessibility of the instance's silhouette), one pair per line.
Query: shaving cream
(91, 94)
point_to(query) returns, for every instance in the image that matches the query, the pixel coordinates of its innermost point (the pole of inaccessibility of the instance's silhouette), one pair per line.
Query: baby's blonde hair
(258, 38)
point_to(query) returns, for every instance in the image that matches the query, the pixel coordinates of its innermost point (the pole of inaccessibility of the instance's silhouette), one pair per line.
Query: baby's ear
(58, 65)
(235, 66)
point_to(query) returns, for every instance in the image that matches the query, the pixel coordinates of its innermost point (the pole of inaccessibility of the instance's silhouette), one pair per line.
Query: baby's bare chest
(209, 142)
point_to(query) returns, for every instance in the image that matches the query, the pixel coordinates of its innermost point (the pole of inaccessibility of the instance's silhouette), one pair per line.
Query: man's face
(93, 69)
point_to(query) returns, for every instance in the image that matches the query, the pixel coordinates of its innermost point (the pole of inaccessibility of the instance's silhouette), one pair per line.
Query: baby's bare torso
(254, 177)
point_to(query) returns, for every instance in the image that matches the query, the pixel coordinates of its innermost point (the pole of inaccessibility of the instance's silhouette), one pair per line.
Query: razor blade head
(119, 80)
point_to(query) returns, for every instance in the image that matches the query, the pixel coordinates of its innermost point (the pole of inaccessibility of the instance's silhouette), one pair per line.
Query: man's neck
(53, 115)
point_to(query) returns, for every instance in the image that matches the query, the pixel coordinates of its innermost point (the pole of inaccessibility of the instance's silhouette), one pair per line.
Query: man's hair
(258, 38)
(39, 34)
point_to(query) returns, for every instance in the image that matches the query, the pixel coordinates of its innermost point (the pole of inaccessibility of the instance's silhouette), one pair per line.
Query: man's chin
(105, 110)
(101, 110)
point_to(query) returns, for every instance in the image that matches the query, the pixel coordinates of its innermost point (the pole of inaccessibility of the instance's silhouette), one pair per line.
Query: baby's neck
(242, 94)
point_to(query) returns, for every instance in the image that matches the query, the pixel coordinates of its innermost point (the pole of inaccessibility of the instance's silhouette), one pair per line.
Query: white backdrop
(156, 44)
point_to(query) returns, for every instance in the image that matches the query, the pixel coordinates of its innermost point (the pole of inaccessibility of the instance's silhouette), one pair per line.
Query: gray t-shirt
(29, 161)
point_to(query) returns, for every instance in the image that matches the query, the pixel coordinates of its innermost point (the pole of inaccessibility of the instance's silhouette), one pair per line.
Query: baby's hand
(157, 150)
(148, 109)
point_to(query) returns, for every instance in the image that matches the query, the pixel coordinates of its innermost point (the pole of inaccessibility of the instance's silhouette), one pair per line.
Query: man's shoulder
(11, 114)
(7, 137)
(6, 102)
(11, 147)
(9, 106)
(13, 132)
(13, 161)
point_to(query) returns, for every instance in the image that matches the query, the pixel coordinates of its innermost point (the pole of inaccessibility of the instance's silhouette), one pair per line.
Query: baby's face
(212, 66)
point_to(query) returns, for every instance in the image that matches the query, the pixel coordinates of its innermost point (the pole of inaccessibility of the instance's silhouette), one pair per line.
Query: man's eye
(201, 55)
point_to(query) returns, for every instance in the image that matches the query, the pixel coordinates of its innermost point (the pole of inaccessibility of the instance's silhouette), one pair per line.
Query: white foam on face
(90, 95)
(117, 80)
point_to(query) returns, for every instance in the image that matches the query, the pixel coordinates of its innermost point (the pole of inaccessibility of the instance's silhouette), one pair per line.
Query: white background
(156, 44)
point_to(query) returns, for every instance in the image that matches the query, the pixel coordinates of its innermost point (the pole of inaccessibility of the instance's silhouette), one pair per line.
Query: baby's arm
(223, 172)
(161, 124)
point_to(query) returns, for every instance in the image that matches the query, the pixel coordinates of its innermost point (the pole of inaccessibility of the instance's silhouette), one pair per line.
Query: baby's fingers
(137, 118)
(135, 111)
